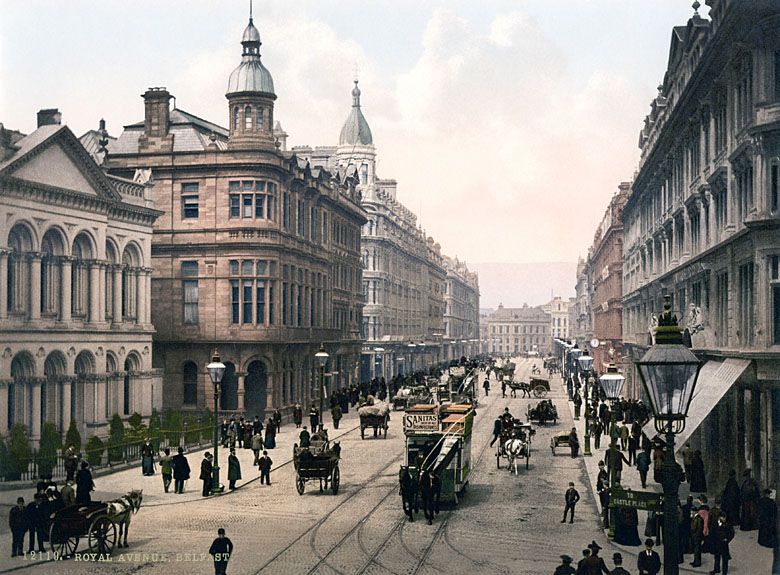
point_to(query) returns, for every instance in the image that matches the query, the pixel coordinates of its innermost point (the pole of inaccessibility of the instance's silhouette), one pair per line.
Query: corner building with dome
(257, 253)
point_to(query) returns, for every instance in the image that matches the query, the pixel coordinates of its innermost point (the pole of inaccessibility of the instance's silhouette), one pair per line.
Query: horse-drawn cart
(374, 415)
(312, 463)
(88, 520)
(544, 411)
(559, 441)
(514, 443)
(539, 386)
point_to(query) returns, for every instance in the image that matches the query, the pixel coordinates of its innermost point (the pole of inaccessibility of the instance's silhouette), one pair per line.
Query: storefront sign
(646, 500)
(421, 422)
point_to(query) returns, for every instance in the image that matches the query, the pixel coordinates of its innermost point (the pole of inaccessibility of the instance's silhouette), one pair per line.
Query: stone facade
(519, 330)
(461, 310)
(701, 226)
(75, 282)
(405, 276)
(257, 253)
(605, 259)
(558, 308)
(581, 313)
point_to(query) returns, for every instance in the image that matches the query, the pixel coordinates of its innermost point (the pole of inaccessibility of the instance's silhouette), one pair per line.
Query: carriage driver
(506, 419)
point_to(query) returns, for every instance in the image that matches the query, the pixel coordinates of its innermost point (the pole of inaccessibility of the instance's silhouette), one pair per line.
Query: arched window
(260, 125)
(132, 364)
(51, 247)
(20, 242)
(248, 118)
(111, 286)
(236, 118)
(82, 252)
(190, 381)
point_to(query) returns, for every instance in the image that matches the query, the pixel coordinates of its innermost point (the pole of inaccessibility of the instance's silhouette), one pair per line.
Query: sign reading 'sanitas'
(647, 500)
(421, 422)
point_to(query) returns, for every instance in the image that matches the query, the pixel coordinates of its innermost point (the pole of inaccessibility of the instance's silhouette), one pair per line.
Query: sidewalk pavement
(113, 485)
(748, 557)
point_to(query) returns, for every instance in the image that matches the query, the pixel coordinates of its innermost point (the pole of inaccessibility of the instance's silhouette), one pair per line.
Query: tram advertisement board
(421, 422)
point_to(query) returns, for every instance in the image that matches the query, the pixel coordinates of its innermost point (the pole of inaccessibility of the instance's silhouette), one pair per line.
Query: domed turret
(355, 130)
(251, 96)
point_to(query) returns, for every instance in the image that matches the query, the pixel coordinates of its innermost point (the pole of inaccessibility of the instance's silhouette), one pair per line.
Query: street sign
(421, 422)
(646, 500)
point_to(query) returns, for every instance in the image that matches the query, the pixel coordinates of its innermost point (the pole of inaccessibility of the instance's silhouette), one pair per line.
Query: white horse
(121, 510)
(514, 449)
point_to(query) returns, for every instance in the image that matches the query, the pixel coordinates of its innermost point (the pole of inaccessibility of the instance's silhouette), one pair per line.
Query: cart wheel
(498, 461)
(552, 445)
(386, 426)
(540, 391)
(61, 545)
(362, 432)
(527, 458)
(334, 481)
(300, 484)
(102, 536)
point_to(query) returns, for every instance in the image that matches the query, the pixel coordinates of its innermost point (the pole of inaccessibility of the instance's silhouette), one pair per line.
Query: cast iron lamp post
(612, 384)
(669, 372)
(586, 362)
(322, 358)
(216, 370)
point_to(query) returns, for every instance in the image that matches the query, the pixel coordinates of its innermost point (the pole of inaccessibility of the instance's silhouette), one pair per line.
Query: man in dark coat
(84, 484)
(750, 494)
(206, 471)
(265, 463)
(17, 522)
(730, 500)
(305, 437)
(574, 442)
(648, 562)
(221, 549)
(36, 516)
(698, 480)
(571, 497)
(497, 425)
(314, 417)
(181, 471)
(602, 488)
(617, 559)
(71, 463)
(724, 533)
(565, 567)
(234, 469)
(643, 466)
(767, 517)
(592, 564)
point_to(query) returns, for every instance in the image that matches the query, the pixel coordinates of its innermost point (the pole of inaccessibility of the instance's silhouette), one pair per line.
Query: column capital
(33, 255)
(5, 252)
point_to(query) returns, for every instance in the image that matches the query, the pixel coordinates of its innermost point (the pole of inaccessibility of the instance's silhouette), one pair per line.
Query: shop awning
(715, 379)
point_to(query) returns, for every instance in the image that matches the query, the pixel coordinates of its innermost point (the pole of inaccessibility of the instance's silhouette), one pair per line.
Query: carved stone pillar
(241, 376)
(3, 288)
(35, 288)
(140, 299)
(148, 296)
(4, 402)
(117, 294)
(65, 295)
(66, 414)
(94, 292)
(35, 407)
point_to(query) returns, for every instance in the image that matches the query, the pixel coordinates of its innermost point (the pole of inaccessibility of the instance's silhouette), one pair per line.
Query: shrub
(73, 437)
(192, 425)
(172, 426)
(19, 452)
(3, 457)
(47, 451)
(155, 424)
(94, 451)
(116, 439)
(207, 425)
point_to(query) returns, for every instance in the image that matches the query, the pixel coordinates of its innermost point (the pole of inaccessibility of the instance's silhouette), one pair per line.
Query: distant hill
(516, 284)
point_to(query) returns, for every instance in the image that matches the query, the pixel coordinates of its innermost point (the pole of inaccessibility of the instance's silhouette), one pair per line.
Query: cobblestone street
(505, 524)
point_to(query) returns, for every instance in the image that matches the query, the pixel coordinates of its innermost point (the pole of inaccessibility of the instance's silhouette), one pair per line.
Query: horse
(430, 491)
(121, 510)
(408, 492)
(514, 449)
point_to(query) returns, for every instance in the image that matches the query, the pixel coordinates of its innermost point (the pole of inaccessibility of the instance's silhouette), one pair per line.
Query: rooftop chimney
(157, 117)
(49, 117)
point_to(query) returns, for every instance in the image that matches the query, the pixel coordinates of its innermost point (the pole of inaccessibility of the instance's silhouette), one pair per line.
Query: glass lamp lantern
(669, 372)
(216, 369)
(586, 362)
(321, 356)
(612, 383)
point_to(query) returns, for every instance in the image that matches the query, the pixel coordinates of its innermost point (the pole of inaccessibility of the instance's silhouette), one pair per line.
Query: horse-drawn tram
(438, 441)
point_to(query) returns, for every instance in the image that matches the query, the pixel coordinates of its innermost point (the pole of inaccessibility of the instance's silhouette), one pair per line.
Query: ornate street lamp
(322, 358)
(612, 384)
(669, 372)
(216, 371)
(586, 362)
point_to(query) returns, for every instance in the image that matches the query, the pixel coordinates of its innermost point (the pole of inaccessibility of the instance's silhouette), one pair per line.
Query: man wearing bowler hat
(617, 559)
(649, 562)
(565, 567)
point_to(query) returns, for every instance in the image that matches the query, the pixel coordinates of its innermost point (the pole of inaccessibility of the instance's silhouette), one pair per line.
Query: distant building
(606, 270)
(75, 271)
(516, 330)
(581, 313)
(257, 254)
(701, 226)
(406, 277)
(558, 309)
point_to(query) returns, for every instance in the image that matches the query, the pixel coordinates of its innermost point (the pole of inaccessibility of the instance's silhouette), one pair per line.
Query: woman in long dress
(270, 434)
(84, 484)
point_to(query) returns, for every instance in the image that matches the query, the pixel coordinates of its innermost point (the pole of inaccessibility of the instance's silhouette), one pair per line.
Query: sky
(508, 124)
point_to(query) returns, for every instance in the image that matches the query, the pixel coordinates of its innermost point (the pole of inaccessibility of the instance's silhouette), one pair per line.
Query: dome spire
(355, 130)
(356, 95)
